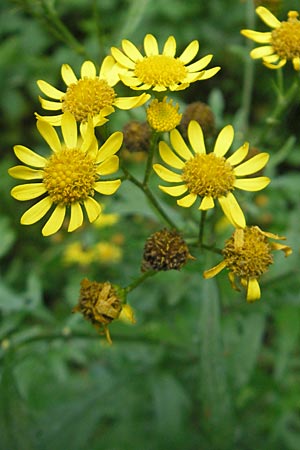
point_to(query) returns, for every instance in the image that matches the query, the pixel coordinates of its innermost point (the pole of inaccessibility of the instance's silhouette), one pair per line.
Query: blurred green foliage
(201, 369)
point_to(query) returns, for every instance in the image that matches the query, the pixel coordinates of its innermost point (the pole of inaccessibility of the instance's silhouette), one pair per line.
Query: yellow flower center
(163, 116)
(247, 253)
(208, 175)
(87, 97)
(286, 38)
(160, 70)
(69, 176)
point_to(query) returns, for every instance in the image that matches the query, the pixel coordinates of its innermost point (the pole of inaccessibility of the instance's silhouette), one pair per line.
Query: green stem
(153, 144)
(135, 283)
(201, 227)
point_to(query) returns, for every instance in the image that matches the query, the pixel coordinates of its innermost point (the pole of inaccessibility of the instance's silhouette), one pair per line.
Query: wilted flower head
(137, 136)
(247, 255)
(200, 112)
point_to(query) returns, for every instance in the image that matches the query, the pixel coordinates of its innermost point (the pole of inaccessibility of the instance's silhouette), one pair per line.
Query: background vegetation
(201, 369)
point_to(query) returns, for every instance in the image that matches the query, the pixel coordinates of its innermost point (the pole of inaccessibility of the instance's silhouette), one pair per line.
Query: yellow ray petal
(131, 51)
(170, 47)
(69, 130)
(190, 52)
(207, 203)
(252, 184)
(29, 157)
(256, 36)
(199, 65)
(109, 71)
(150, 45)
(169, 157)
(174, 191)
(196, 137)
(239, 155)
(122, 59)
(109, 166)
(210, 73)
(25, 173)
(296, 63)
(267, 17)
(253, 290)
(224, 141)
(68, 75)
(271, 59)
(260, 52)
(28, 191)
(49, 134)
(252, 165)
(131, 102)
(55, 221)
(232, 210)
(187, 201)
(88, 70)
(53, 120)
(281, 63)
(93, 209)
(50, 90)
(166, 174)
(131, 81)
(76, 218)
(36, 212)
(110, 146)
(48, 104)
(214, 270)
(107, 187)
(180, 146)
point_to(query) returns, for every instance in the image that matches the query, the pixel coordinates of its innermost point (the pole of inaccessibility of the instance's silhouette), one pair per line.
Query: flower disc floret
(163, 116)
(160, 70)
(209, 176)
(285, 39)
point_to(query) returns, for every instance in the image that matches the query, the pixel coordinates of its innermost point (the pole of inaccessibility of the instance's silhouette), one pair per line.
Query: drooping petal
(93, 209)
(180, 146)
(296, 63)
(207, 203)
(214, 270)
(260, 52)
(252, 184)
(187, 201)
(169, 157)
(256, 36)
(166, 174)
(196, 137)
(76, 217)
(253, 290)
(267, 17)
(271, 59)
(224, 141)
(69, 129)
(252, 165)
(239, 155)
(53, 120)
(281, 63)
(190, 52)
(174, 191)
(199, 65)
(107, 187)
(232, 210)
(131, 51)
(28, 191)
(55, 221)
(150, 45)
(50, 90)
(170, 47)
(122, 59)
(110, 146)
(49, 134)
(68, 75)
(88, 70)
(109, 166)
(132, 82)
(36, 212)
(29, 157)
(48, 104)
(25, 173)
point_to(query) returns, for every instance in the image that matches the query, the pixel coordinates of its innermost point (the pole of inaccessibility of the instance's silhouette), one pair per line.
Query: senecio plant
(194, 166)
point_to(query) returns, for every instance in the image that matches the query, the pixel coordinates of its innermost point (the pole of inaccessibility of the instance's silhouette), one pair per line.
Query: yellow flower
(69, 177)
(247, 255)
(161, 71)
(163, 116)
(92, 95)
(283, 42)
(209, 175)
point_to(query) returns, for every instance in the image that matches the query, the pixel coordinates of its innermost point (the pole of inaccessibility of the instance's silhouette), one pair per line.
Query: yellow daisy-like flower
(209, 175)
(69, 177)
(283, 42)
(92, 95)
(163, 116)
(161, 71)
(247, 256)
